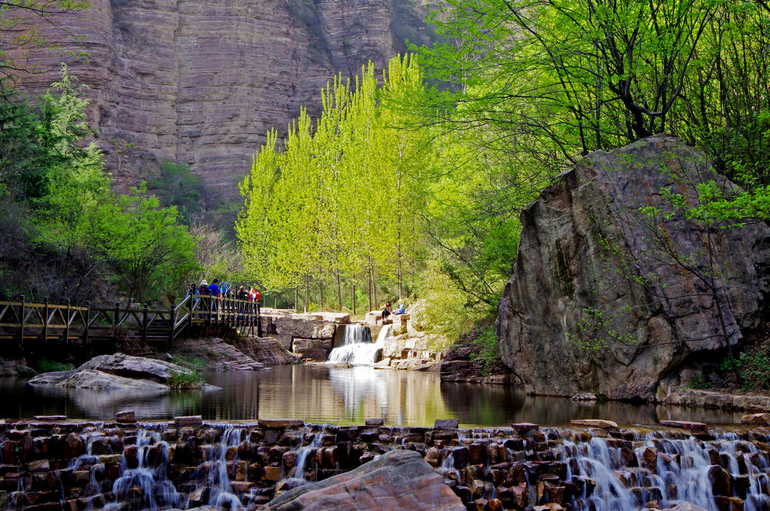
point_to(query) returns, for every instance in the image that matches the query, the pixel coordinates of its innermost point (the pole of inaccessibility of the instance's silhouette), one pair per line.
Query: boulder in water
(397, 480)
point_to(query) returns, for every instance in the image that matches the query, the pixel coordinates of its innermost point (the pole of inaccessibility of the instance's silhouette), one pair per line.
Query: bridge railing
(68, 323)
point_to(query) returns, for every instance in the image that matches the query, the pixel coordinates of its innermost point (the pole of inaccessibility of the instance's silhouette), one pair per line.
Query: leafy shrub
(754, 366)
(444, 308)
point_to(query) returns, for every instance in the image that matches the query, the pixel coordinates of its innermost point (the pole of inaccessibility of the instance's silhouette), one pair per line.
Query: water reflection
(323, 394)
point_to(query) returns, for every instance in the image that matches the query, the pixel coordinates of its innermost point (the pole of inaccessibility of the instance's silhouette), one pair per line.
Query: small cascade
(221, 496)
(144, 477)
(358, 348)
(302, 457)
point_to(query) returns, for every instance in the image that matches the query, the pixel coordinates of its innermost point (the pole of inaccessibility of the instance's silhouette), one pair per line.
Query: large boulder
(397, 480)
(117, 371)
(128, 366)
(98, 380)
(602, 300)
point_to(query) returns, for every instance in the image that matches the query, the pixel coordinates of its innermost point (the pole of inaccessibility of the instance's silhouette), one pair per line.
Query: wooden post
(144, 325)
(117, 313)
(88, 321)
(259, 322)
(67, 323)
(45, 322)
(210, 299)
(190, 308)
(21, 320)
(172, 321)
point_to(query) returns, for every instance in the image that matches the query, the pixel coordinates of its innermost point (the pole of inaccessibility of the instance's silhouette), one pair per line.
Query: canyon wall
(201, 82)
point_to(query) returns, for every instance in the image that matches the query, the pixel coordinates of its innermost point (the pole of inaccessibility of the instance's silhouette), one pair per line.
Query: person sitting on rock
(386, 312)
(401, 309)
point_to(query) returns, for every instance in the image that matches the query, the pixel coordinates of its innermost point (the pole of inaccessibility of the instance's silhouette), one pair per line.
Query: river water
(325, 394)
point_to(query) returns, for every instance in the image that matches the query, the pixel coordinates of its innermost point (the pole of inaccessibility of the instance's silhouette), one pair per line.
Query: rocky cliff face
(201, 82)
(602, 300)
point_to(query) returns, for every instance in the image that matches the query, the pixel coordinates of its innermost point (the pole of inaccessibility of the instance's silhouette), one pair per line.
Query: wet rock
(192, 421)
(522, 428)
(594, 423)
(756, 419)
(685, 506)
(271, 473)
(446, 424)
(126, 417)
(401, 479)
(374, 422)
(39, 466)
(477, 453)
(585, 396)
(289, 459)
(692, 427)
(280, 423)
(433, 457)
(720, 480)
(73, 446)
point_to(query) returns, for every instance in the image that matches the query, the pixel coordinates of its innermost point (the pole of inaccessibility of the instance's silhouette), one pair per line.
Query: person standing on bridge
(215, 292)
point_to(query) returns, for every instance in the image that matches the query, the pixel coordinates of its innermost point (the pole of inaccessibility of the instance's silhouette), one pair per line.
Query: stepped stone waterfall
(187, 463)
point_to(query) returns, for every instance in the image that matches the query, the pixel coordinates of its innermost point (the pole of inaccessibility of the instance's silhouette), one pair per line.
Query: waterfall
(238, 467)
(358, 348)
(219, 482)
(149, 475)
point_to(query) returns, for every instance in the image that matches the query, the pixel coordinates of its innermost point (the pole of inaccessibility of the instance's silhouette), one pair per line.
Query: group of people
(387, 310)
(224, 290)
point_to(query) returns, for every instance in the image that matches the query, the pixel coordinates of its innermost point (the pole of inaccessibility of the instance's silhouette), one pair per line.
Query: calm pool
(323, 394)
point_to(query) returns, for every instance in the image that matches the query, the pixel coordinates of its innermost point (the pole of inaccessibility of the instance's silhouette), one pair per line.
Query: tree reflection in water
(324, 394)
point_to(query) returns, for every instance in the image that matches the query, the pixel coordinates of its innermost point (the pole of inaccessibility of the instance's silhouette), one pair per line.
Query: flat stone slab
(126, 417)
(190, 421)
(594, 423)
(280, 423)
(50, 418)
(692, 427)
(524, 427)
(756, 419)
(446, 423)
(374, 422)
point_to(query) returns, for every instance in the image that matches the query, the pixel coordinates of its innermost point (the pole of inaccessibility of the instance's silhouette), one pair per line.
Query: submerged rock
(593, 271)
(397, 480)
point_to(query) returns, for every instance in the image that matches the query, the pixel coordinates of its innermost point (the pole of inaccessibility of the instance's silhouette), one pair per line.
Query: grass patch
(191, 379)
(192, 363)
(43, 365)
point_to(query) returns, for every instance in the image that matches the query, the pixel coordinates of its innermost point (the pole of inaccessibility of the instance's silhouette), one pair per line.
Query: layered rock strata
(201, 82)
(608, 299)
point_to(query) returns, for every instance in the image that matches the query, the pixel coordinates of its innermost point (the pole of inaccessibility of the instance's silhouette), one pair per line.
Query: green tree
(149, 251)
(177, 186)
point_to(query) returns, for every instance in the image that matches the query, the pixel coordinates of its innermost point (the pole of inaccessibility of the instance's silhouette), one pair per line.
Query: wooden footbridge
(76, 325)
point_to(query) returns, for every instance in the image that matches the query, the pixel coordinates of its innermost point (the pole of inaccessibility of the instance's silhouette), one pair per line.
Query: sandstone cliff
(201, 81)
(592, 271)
